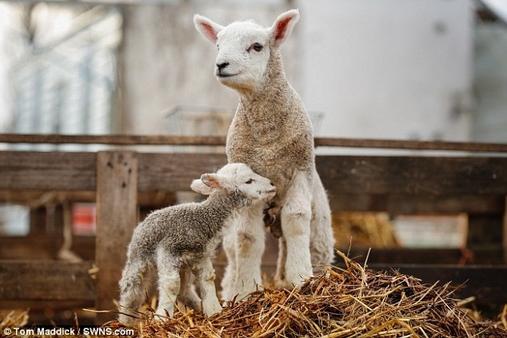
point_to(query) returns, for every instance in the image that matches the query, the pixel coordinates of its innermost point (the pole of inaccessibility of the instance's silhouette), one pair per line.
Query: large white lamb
(272, 133)
(178, 242)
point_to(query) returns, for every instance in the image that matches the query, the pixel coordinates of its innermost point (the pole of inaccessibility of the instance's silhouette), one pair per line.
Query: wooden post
(116, 219)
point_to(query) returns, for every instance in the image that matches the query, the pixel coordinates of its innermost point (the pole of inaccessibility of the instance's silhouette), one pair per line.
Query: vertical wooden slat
(116, 219)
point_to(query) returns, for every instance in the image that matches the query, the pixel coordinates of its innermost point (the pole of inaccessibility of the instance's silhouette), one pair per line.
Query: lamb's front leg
(250, 243)
(296, 216)
(205, 282)
(229, 246)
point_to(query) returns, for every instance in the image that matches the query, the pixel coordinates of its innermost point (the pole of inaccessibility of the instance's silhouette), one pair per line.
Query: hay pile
(350, 302)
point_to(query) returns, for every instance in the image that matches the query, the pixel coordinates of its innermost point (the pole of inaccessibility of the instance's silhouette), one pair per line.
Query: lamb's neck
(266, 107)
(220, 206)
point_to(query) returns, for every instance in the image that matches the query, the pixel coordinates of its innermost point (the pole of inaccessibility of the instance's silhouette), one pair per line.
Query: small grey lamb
(178, 243)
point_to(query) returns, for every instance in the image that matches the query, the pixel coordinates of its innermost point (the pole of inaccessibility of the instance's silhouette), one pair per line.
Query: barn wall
(391, 68)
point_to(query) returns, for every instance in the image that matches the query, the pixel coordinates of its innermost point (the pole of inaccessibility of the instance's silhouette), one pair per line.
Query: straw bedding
(348, 302)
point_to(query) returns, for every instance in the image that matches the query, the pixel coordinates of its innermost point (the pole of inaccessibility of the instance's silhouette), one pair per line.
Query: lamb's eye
(250, 181)
(256, 47)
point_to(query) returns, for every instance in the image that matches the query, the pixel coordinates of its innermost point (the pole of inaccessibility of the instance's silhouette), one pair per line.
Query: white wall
(390, 68)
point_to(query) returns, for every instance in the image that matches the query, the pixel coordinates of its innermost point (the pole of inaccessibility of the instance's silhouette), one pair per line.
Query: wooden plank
(220, 140)
(175, 171)
(413, 175)
(483, 256)
(404, 204)
(393, 204)
(428, 176)
(45, 281)
(484, 231)
(47, 170)
(117, 174)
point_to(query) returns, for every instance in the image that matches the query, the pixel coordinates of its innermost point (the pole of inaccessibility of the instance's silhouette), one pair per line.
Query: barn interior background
(396, 69)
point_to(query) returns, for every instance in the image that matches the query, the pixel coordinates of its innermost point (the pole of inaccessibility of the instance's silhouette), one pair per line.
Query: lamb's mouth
(221, 75)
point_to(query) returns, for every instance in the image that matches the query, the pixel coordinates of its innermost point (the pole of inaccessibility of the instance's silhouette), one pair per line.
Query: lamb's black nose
(222, 65)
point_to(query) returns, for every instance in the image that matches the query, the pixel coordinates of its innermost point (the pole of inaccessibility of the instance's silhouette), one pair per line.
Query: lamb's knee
(296, 222)
(246, 243)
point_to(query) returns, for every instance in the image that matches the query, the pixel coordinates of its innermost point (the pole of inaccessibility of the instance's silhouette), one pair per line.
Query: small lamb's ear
(207, 27)
(283, 25)
(199, 187)
(211, 180)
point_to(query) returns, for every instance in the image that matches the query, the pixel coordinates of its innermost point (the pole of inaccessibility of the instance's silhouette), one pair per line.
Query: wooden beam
(413, 175)
(429, 176)
(220, 140)
(117, 174)
(404, 204)
(28, 170)
(45, 281)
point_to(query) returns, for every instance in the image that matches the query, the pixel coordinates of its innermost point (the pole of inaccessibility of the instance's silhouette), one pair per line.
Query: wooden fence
(476, 185)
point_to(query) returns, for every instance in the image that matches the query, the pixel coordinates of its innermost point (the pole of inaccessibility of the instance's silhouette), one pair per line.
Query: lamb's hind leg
(134, 284)
(205, 282)
(296, 216)
(168, 282)
(187, 295)
(322, 238)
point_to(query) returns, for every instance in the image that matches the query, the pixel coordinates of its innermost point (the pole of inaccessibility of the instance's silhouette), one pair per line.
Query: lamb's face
(243, 54)
(236, 177)
(244, 48)
(244, 179)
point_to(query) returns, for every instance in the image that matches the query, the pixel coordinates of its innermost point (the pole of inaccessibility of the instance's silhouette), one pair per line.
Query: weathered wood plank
(117, 174)
(173, 172)
(220, 140)
(47, 170)
(405, 204)
(413, 175)
(429, 176)
(45, 281)
(393, 204)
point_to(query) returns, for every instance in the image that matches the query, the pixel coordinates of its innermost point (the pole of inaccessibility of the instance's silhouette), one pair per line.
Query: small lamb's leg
(188, 296)
(250, 243)
(168, 283)
(296, 216)
(205, 282)
(136, 277)
(229, 278)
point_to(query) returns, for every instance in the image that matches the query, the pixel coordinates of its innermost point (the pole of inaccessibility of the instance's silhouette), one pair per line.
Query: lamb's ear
(211, 180)
(283, 25)
(199, 187)
(207, 27)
